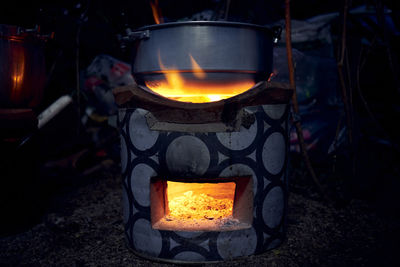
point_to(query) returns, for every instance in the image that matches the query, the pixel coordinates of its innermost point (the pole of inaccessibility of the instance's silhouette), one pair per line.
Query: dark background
(95, 26)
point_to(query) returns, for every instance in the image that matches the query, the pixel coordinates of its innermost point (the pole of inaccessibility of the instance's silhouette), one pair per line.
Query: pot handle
(133, 36)
(276, 33)
(137, 35)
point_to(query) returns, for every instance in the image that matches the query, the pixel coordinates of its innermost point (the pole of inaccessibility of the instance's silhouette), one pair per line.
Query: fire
(197, 88)
(197, 71)
(174, 87)
(156, 12)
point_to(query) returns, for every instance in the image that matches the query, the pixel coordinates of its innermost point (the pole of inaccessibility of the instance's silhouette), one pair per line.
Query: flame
(155, 8)
(197, 71)
(199, 201)
(196, 89)
(173, 79)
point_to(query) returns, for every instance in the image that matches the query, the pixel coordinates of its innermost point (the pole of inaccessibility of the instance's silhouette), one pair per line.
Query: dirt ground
(84, 228)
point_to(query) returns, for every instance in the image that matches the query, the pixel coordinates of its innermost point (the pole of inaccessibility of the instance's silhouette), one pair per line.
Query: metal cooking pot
(22, 67)
(223, 50)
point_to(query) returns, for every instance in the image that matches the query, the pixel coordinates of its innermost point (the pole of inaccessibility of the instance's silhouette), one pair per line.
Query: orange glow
(17, 76)
(196, 90)
(199, 201)
(199, 206)
(191, 91)
(156, 12)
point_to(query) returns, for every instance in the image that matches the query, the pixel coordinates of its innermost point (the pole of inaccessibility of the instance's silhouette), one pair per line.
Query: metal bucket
(22, 67)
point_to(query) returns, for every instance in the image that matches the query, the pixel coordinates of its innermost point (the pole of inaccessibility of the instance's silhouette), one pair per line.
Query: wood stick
(297, 123)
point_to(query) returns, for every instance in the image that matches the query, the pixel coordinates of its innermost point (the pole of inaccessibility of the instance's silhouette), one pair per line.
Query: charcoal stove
(204, 182)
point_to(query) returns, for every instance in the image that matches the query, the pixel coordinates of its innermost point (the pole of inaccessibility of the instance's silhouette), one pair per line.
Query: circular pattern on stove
(125, 205)
(272, 211)
(141, 136)
(190, 235)
(274, 153)
(240, 243)
(121, 115)
(240, 144)
(145, 238)
(239, 169)
(140, 183)
(124, 154)
(189, 255)
(275, 112)
(187, 155)
(238, 140)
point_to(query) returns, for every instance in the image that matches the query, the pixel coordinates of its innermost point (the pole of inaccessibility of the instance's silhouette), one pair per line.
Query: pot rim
(17, 33)
(206, 23)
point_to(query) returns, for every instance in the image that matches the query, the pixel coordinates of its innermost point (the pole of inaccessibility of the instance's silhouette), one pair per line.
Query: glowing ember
(199, 207)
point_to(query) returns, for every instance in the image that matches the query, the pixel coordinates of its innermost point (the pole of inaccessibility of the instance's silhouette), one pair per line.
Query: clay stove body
(250, 152)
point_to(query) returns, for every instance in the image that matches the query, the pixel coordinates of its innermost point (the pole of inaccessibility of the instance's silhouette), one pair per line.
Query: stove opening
(202, 206)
